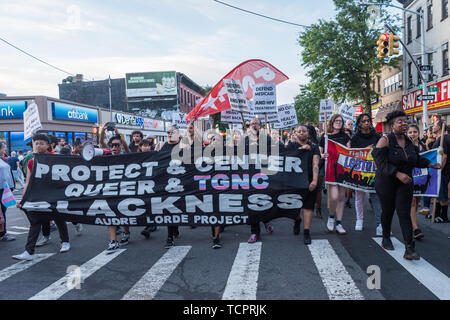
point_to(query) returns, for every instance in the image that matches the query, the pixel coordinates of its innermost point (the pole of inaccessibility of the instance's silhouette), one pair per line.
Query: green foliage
(341, 54)
(307, 104)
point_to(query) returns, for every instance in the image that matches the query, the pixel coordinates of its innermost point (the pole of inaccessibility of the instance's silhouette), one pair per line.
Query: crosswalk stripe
(337, 281)
(20, 228)
(22, 265)
(243, 279)
(15, 233)
(61, 287)
(148, 286)
(434, 280)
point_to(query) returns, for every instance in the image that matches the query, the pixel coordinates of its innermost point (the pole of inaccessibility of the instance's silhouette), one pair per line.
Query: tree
(341, 54)
(307, 104)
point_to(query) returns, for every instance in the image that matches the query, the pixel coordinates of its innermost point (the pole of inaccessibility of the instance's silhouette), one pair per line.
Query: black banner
(157, 188)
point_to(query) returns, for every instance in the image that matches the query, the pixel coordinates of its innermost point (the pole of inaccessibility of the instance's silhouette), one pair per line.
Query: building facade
(62, 118)
(389, 85)
(437, 38)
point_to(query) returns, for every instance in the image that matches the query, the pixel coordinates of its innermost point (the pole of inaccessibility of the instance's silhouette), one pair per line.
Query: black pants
(36, 222)
(395, 196)
(172, 231)
(255, 228)
(3, 208)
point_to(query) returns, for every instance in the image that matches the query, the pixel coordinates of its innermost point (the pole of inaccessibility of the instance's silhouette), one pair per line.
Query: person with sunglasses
(116, 143)
(366, 137)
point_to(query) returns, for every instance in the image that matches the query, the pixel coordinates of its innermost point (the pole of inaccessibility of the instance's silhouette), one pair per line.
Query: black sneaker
(418, 234)
(438, 220)
(118, 230)
(386, 243)
(410, 253)
(297, 227)
(307, 238)
(216, 243)
(146, 232)
(177, 234)
(348, 204)
(113, 246)
(169, 243)
(152, 228)
(125, 239)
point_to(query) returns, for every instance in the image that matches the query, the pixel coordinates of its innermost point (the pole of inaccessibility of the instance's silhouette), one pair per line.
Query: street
(280, 267)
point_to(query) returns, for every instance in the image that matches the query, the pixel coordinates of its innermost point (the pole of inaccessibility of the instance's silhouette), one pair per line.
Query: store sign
(71, 112)
(152, 124)
(411, 104)
(11, 109)
(129, 120)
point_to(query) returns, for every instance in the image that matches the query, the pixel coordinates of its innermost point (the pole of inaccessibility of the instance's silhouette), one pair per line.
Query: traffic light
(393, 43)
(383, 42)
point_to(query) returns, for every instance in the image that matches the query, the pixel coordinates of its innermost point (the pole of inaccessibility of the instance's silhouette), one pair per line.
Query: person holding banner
(395, 157)
(116, 143)
(6, 178)
(335, 131)
(313, 154)
(366, 136)
(41, 144)
(441, 130)
(253, 138)
(413, 134)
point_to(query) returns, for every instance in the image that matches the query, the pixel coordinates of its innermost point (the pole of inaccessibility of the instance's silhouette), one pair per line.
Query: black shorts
(310, 200)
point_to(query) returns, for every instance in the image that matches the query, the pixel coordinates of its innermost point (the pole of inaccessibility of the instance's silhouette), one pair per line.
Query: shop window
(17, 143)
(70, 137)
(81, 136)
(4, 136)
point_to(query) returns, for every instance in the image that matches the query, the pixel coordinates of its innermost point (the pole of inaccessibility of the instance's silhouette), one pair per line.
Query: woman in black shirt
(395, 157)
(335, 130)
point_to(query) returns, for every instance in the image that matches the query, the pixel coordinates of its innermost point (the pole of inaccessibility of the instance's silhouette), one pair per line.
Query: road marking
(15, 233)
(20, 228)
(243, 279)
(148, 286)
(60, 287)
(22, 265)
(337, 281)
(434, 280)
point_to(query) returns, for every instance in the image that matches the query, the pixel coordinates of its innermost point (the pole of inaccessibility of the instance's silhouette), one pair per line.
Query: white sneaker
(43, 241)
(340, 229)
(359, 225)
(24, 256)
(330, 224)
(78, 229)
(379, 230)
(65, 246)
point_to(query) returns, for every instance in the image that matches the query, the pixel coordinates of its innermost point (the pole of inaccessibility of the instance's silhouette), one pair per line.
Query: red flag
(249, 73)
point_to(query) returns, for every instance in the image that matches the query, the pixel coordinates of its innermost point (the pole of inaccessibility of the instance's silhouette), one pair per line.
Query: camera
(111, 126)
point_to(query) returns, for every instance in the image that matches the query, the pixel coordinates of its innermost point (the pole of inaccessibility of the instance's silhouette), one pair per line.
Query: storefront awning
(384, 110)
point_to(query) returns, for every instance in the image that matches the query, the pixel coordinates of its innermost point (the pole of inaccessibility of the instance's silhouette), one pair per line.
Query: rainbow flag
(8, 197)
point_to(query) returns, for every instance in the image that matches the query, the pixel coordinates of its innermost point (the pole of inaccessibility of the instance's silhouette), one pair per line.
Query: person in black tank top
(395, 157)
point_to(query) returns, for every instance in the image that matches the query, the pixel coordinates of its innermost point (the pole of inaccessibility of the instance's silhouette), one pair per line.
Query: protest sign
(265, 99)
(158, 188)
(31, 121)
(326, 106)
(236, 95)
(179, 119)
(287, 117)
(347, 112)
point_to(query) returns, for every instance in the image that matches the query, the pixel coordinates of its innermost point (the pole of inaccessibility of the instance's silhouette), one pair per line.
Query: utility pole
(421, 16)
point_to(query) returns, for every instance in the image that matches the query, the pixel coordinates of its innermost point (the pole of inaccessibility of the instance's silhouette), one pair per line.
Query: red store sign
(442, 99)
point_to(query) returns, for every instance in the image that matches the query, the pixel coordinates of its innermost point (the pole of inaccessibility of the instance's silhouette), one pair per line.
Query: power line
(30, 55)
(261, 15)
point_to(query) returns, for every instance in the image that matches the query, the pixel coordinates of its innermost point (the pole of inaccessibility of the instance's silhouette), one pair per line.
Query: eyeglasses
(115, 145)
(338, 121)
(171, 131)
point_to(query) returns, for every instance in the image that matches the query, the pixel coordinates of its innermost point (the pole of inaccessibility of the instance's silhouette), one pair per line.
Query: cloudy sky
(201, 38)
